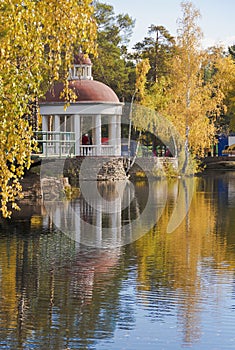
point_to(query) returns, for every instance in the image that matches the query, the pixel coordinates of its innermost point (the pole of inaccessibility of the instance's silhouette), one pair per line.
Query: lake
(144, 265)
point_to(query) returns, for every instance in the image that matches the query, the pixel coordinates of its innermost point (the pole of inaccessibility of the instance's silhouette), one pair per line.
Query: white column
(56, 137)
(44, 137)
(118, 135)
(44, 123)
(57, 123)
(98, 134)
(93, 137)
(112, 133)
(77, 130)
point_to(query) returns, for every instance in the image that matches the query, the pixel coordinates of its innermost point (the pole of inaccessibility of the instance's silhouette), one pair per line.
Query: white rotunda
(95, 115)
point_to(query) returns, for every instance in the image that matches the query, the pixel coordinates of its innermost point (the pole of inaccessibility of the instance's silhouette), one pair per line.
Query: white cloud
(208, 42)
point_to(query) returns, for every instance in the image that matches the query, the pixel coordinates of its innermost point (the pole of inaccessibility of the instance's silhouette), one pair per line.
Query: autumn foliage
(38, 39)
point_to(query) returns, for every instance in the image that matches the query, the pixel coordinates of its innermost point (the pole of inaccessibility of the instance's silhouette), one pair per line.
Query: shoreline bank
(31, 184)
(219, 163)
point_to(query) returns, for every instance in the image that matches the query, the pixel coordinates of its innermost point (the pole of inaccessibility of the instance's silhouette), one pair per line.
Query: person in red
(85, 141)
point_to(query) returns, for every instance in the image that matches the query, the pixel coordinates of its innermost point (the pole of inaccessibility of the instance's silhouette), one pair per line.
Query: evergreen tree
(111, 65)
(158, 47)
(230, 100)
(231, 51)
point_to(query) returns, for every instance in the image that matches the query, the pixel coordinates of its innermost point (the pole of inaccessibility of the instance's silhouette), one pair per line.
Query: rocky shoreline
(102, 170)
(51, 185)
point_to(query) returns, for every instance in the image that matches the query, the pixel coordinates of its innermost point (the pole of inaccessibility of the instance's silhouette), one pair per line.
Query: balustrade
(62, 144)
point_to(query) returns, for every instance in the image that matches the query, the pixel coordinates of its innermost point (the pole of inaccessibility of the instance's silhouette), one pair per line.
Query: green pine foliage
(111, 65)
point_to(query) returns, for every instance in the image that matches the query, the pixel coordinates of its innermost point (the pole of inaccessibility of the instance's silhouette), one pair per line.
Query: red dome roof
(85, 90)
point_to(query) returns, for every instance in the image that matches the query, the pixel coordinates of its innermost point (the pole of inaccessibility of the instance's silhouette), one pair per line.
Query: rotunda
(95, 111)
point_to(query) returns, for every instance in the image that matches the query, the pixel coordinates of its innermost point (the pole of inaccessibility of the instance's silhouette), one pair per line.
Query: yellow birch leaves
(37, 43)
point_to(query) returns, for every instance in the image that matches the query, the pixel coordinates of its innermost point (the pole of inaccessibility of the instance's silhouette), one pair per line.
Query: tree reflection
(57, 292)
(172, 263)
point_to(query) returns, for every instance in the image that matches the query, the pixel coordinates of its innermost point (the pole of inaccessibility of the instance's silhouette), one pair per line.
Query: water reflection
(47, 287)
(109, 214)
(161, 291)
(195, 264)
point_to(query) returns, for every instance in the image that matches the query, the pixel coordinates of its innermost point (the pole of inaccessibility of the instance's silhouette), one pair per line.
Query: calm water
(74, 276)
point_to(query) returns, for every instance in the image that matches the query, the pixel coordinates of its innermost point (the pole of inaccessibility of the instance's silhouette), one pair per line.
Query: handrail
(62, 143)
(55, 143)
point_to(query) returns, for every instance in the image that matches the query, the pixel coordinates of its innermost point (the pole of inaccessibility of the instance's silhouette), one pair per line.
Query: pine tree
(111, 65)
(158, 47)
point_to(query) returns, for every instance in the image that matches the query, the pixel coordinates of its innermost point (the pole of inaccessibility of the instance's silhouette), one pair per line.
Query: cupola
(82, 68)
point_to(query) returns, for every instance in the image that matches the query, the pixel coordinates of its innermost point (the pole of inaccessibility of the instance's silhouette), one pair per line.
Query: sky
(217, 18)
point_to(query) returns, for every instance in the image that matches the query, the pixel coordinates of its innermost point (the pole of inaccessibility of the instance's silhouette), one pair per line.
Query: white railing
(62, 144)
(96, 150)
(52, 143)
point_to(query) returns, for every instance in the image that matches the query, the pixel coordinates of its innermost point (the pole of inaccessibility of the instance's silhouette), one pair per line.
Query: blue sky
(217, 17)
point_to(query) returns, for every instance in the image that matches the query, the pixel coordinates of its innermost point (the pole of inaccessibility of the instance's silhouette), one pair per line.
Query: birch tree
(196, 100)
(38, 39)
(189, 96)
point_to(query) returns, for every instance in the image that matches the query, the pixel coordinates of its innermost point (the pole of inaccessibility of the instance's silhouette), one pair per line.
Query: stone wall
(56, 175)
(94, 168)
(154, 167)
(91, 168)
(31, 185)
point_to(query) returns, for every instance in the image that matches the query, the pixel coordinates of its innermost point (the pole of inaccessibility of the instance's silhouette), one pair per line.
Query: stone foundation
(61, 173)
(94, 168)
(55, 176)
(154, 167)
